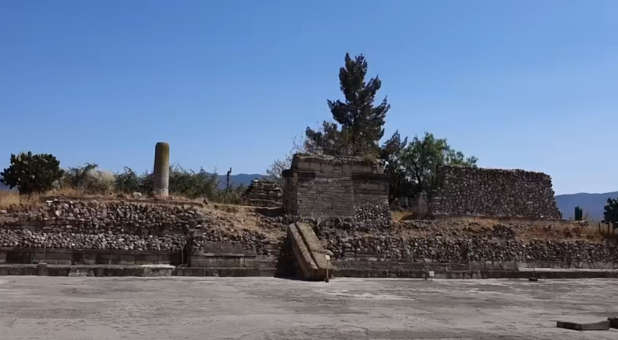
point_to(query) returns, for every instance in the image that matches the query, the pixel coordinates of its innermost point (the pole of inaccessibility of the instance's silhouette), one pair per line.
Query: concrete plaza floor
(39, 307)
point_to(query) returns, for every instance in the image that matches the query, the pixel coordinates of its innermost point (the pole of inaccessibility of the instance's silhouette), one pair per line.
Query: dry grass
(10, 199)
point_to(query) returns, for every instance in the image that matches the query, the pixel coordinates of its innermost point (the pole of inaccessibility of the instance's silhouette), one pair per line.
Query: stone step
(308, 252)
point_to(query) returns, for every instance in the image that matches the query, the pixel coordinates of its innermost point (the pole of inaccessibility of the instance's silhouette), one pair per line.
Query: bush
(232, 196)
(32, 173)
(193, 184)
(128, 181)
(89, 180)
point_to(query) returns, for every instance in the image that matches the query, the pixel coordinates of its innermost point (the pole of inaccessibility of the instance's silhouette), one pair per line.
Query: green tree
(390, 154)
(611, 210)
(32, 173)
(421, 159)
(359, 124)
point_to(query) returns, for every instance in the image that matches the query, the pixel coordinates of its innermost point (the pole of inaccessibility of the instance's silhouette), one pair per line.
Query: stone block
(592, 326)
(324, 186)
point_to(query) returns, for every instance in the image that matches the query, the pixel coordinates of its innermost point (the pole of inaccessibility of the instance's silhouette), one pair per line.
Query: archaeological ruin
(323, 186)
(263, 193)
(161, 170)
(467, 191)
(335, 221)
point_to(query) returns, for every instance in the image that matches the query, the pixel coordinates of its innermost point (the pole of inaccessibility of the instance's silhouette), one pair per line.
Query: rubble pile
(372, 215)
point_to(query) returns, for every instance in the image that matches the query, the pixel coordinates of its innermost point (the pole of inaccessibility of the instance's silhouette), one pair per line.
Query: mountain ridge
(592, 203)
(238, 179)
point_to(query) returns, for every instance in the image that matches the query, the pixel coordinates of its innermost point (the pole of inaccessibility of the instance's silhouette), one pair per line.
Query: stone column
(161, 172)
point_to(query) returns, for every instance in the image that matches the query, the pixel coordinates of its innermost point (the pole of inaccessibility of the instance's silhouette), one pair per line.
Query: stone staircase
(311, 258)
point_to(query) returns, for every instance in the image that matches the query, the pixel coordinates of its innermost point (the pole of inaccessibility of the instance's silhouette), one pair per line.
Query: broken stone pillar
(161, 172)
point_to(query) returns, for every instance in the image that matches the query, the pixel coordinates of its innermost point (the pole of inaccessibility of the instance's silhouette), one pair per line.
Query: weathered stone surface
(494, 192)
(120, 225)
(322, 186)
(308, 252)
(137, 227)
(496, 245)
(263, 193)
(592, 326)
(161, 170)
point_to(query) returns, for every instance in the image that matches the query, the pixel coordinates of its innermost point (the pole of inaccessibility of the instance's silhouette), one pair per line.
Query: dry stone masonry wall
(323, 186)
(263, 193)
(496, 244)
(120, 225)
(469, 191)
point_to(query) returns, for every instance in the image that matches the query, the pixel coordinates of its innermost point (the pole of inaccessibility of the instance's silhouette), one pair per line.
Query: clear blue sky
(519, 84)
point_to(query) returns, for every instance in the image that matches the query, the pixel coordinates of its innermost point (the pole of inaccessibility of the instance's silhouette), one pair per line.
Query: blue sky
(519, 84)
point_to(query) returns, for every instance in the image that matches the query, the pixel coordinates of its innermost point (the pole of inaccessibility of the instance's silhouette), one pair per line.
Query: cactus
(161, 172)
(579, 213)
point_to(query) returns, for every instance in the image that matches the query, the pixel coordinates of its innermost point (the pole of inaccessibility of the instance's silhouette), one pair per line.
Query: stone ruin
(263, 193)
(161, 170)
(319, 187)
(481, 192)
(324, 186)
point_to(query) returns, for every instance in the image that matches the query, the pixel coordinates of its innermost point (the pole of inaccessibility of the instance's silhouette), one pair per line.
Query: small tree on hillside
(360, 122)
(32, 173)
(611, 210)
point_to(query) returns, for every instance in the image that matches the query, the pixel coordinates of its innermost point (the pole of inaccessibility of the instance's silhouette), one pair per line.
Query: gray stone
(161, 172)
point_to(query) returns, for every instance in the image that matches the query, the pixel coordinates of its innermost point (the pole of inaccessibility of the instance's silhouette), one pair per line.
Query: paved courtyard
(33, 307)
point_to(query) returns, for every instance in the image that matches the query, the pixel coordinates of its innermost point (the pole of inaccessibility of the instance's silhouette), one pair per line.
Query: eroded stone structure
(263, 193)
(325, 186)
(469, 191)
(161, 171)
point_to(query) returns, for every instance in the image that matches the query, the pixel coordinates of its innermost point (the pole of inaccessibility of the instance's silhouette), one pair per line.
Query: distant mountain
(592, 204)
(3, 186)
(236, 180)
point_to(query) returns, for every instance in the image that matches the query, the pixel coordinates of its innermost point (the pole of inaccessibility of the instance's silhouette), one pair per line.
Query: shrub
(232, 196)
(89, 180)
(128, 181)
(32, 173)
(193, 184)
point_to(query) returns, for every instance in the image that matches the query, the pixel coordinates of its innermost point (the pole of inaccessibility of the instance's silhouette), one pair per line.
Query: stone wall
(494, 193)
(126, 226)
(263, 193)
(322, 186)
(464, 241)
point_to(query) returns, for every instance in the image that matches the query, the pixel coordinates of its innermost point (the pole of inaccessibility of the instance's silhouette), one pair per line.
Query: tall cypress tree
(361, 123)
